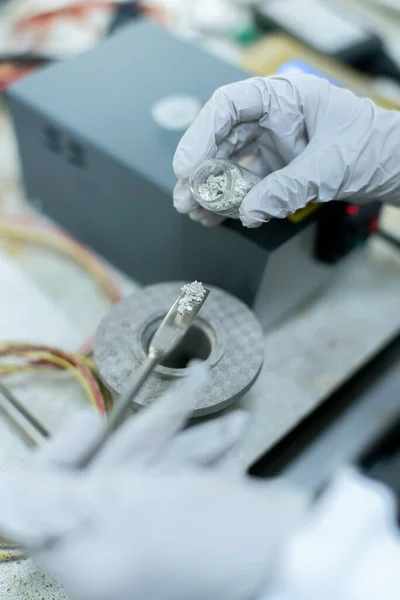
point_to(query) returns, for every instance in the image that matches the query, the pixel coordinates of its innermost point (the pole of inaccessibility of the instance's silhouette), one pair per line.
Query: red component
(10, 73)
(373, 225)
(352, 210)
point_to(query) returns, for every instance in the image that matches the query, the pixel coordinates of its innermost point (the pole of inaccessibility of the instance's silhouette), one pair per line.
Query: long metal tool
(33, 431)
(169, 334)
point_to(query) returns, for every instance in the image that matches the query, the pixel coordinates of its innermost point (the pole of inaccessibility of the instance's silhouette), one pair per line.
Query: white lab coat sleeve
(348, 547)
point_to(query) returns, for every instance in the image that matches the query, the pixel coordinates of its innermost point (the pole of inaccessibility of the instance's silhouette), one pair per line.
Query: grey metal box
(94, 160)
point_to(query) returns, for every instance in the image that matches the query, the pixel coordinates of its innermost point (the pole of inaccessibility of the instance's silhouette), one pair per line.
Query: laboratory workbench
(307, 357)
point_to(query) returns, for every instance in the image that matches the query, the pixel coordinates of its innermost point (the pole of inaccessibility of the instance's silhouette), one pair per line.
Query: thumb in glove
(312, 176)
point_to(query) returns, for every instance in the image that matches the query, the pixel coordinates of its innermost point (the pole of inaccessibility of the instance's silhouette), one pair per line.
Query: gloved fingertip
(86, 420)
(197, 214)
(254, 211)
(271, 197)
(254, 219)
(252, 223)
(235, 424)
(194, 362)
(181, 399)
(72, 440)
(198, 374)
(206, 223)
(179, 163)
(205, 218)
(212, 220)
(182, 198)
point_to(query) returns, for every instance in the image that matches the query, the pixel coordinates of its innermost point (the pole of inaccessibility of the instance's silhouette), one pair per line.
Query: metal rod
(21, 418)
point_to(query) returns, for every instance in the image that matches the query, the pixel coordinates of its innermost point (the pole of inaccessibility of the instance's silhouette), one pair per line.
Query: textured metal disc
(226, 334)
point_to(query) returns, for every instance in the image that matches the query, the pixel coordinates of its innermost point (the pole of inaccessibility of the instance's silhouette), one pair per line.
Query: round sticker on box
(176, 113)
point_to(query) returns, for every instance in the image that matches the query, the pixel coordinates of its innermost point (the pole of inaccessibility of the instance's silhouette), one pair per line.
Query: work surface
(44, 298)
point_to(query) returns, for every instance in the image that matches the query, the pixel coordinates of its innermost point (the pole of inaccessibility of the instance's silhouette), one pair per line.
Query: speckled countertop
(45, 298)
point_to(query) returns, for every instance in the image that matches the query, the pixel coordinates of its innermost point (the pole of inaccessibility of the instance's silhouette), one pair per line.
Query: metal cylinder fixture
(226, 335)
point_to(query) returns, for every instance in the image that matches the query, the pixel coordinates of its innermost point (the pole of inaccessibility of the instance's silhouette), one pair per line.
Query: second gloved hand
(310, 141)
(158, 515)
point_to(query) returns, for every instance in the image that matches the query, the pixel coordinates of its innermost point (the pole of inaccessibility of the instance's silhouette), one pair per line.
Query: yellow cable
(61, 243)
(9, 369)
(88, 362)
(12, 369)
(19, 349)
(66, 365)
(15, 346)
(11, 556)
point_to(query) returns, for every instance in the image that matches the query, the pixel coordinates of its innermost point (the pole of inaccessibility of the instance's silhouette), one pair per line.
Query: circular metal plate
(226, 330)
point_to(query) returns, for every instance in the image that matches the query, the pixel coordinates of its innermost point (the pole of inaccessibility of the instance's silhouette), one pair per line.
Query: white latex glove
(310, 140)
(156, 516)
(347, 548)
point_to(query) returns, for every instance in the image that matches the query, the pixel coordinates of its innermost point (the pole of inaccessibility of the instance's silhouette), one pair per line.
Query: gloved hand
(156, 516)
(358, 516)
(310, 140)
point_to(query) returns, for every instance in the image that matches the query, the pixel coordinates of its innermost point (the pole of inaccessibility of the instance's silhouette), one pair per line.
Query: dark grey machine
(95, 161)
